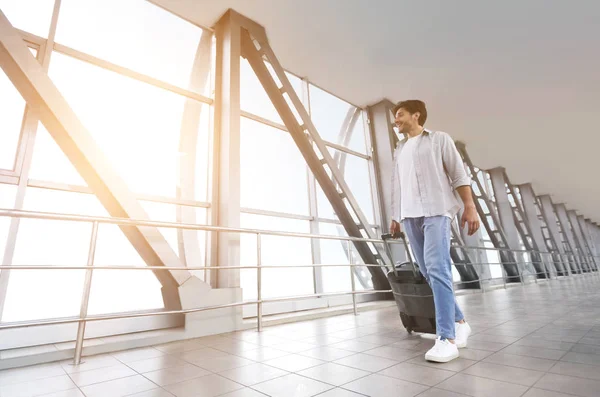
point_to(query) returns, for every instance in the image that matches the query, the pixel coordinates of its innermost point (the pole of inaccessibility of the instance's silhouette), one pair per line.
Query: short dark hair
(413, 106)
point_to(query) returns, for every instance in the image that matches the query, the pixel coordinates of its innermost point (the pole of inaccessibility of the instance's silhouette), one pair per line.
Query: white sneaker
(462, 334)
(442, 352)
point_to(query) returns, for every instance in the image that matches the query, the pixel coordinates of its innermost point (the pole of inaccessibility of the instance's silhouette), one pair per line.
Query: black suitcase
(413, 295)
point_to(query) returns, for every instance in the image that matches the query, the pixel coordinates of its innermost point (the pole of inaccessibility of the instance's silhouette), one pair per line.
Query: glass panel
(356, 174)
(56, 293)
(276, 251)
(111, 289)
(273, 172)
(49, 163)
(7, 200)
(328, 115)
(141, 36)
(33, 16)
(254, 98)
(335, 279)
(121, 114)
(12, 107)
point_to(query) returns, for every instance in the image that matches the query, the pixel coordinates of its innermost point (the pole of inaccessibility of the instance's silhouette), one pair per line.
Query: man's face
(406, 121)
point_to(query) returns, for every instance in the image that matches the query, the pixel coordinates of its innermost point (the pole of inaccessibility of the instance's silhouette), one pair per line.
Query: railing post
(259, 281)
(87, 286)
(352, 282)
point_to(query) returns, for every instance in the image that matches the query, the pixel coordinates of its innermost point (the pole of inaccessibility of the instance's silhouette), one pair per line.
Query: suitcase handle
(400, 235)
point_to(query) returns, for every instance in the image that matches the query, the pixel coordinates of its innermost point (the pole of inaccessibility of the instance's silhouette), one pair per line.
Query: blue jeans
(430, 242)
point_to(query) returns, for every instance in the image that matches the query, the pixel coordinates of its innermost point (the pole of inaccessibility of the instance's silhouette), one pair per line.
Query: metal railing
(90, 267)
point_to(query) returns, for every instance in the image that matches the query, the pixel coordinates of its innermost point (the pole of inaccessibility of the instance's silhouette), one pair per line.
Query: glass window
(276, 251)
(12, 108)
(38, 294)
(33, 16)
(356, 175)
(49, 163)
(137, 126)
(335, 252)
(273, 172)
(7, 200)
(329, 115)
(254, 98)
(135, 34)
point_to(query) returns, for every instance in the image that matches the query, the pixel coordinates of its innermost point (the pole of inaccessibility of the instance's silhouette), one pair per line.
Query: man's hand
(471, 218)
(395, 229)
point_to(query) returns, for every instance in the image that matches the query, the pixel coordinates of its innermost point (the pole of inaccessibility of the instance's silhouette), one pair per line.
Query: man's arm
(470, 212)
(461, 182)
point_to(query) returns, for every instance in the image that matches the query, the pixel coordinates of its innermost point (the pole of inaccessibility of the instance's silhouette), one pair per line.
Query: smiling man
(427, 171)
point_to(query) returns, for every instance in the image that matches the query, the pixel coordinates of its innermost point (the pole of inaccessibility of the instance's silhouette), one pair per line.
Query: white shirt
(427, 169)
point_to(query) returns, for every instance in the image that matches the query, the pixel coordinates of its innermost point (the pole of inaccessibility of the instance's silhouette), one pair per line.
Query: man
(427, 169)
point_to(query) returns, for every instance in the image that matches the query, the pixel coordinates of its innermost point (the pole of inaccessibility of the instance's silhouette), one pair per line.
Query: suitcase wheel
(407, 322)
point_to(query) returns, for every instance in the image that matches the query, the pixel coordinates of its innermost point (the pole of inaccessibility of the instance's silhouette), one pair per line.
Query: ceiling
(517, 81)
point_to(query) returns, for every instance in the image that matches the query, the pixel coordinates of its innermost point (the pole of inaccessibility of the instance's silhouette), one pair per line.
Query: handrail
(96, 221)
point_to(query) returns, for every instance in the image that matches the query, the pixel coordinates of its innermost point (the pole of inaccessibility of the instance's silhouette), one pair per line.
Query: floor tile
(327, 353)
(366, 362)
(536, 364)
(354, 346)
(435, 392)
(246, 392)
(153, 393)
(292, 386)
(578, 370)
(583, 348)
(520, 376)
(384, 386)
(218, 364)
(393, 353)
(533, 392)
(37, 387)
(339, 392)
(417, 374)
(474, 354)
(294, 346)
(294, 362)
(129, 356)
(569, 385)
(100, 375)
(582, 358)
(119, 387)
(156, 363)
(69, 393)
(89, 363)
(27, 374)
(333, 374)
(537, 352)
(263, 354)
(481, 387)
(169, 376)
(252, 374)
(205, 386)
(543, 343)
(322, 340)
(179, 347)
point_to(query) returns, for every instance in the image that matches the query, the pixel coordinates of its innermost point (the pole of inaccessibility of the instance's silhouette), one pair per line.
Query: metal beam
(565, 223)
(188, 241)
(225, 247)
(76, 142)
(512, 218)
(537, 224)
(490, 219)
(354, 222)
(581, 243)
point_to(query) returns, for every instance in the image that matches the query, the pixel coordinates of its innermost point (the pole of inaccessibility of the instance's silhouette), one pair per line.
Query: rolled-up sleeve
(453, 163)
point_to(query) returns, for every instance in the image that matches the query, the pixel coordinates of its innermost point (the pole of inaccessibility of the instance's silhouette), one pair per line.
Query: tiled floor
(532, 341)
